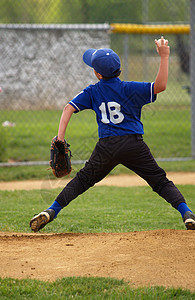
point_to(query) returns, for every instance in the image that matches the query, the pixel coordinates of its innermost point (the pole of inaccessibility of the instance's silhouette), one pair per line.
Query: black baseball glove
(60, 157)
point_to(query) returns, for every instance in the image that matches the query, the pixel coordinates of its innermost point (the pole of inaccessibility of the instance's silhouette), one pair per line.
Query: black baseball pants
(130, 151)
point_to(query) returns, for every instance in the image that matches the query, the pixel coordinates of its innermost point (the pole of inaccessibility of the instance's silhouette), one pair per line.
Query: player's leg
(99, 165)
(143, 163)
(96, 168)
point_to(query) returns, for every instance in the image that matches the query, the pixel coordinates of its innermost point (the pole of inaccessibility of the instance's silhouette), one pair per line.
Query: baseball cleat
(39, 221)
(189, 220)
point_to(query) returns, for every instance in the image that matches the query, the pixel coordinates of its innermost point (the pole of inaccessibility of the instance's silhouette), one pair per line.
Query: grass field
(167, 132)
(86, 288)
(101, 209)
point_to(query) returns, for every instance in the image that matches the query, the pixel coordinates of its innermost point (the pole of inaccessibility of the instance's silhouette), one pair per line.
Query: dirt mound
(160, 257)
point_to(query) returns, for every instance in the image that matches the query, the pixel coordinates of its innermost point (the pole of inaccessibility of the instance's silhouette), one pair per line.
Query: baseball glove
(60, 157)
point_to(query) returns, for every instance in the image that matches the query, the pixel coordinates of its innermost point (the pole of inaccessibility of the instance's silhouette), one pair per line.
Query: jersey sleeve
(142, 92)
(81, 101)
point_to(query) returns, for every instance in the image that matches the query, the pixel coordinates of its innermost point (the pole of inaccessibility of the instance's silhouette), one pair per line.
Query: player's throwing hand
(162, 47)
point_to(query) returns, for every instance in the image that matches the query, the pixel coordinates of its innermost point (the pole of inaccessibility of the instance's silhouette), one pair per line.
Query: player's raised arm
(162, 76)
(66, 115)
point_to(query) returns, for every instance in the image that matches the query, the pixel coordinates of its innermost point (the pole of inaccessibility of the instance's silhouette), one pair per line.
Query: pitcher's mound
(160, 257)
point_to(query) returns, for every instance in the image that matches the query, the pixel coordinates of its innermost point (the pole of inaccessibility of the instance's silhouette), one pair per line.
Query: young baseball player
(118, 106)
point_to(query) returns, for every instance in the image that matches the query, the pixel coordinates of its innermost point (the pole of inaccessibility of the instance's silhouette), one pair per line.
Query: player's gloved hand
(60, 157)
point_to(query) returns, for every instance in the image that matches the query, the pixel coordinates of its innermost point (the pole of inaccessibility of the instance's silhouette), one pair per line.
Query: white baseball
(159, 42)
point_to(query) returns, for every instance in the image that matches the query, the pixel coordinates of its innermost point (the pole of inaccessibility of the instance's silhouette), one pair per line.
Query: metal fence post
(126, 56)
(192, 72)
(145, 8)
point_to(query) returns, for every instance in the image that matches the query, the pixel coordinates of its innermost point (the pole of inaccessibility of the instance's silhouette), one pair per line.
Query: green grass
(30, 139)
(100, 209)
(86, 288)
(167, 132)
(164, 134)
(42, 172)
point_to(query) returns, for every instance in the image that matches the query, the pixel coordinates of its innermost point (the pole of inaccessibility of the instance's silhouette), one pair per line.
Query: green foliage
(91, 11)
(168, 12)
(86, 288)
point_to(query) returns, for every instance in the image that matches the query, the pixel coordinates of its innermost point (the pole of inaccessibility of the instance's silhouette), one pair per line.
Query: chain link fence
(41, 69)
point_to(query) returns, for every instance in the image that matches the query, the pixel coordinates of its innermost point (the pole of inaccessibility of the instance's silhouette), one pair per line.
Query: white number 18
(115, 115)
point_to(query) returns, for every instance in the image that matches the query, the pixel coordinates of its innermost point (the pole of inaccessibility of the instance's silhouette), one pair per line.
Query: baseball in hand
(159, 42)
(0, 89)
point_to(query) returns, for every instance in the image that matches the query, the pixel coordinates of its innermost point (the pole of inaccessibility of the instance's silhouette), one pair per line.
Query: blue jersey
(117, 105)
